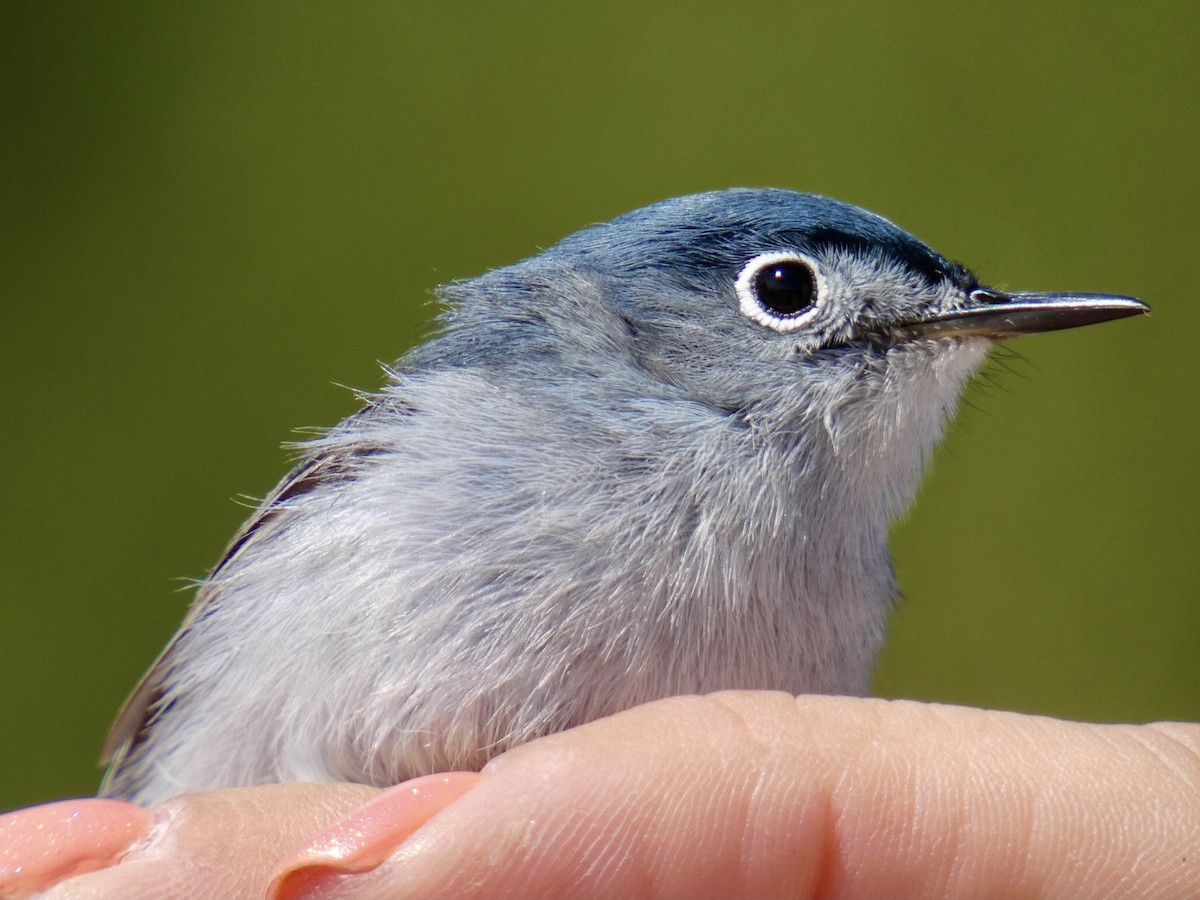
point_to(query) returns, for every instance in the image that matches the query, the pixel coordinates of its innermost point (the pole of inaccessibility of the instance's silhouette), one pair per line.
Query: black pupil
(786, 288)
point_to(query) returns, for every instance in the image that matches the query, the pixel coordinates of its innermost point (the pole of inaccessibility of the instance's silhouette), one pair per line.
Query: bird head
(810, 320)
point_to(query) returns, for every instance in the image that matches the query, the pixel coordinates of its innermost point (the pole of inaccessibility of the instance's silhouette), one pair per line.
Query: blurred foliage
(213, 214)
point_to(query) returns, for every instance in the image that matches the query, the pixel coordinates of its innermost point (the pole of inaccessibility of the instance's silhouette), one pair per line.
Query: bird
(660, 457)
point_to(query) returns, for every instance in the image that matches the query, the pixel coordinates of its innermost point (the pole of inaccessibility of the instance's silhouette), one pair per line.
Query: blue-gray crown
(722, 229)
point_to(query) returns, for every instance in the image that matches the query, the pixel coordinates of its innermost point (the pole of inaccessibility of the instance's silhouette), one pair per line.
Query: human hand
(734, 795)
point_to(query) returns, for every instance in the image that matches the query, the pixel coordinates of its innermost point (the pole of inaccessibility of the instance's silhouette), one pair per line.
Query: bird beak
(1000, 315)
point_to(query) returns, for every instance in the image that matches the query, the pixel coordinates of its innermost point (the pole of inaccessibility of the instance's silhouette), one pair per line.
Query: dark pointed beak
(998, 315)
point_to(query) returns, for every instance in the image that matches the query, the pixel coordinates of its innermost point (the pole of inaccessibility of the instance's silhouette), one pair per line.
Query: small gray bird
(659, 458)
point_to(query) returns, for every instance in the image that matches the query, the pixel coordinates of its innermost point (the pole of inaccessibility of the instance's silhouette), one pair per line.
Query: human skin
(746, 794)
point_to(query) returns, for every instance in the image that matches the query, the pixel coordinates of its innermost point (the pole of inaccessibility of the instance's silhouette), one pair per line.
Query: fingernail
(42, 845)
(364, 838)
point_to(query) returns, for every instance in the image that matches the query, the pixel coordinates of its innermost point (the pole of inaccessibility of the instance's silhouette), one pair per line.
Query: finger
(764, 795)
(217, 845)
(360, 840)
(43, 845)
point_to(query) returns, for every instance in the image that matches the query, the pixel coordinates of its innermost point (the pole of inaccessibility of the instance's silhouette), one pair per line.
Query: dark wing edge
(141, 707)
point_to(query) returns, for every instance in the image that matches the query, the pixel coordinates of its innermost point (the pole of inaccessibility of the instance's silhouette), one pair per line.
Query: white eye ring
(752, 303)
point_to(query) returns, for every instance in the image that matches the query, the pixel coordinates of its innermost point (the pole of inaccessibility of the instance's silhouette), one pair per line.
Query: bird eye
(779, 290)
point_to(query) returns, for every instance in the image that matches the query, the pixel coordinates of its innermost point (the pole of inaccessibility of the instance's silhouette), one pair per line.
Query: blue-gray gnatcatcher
(659, 458)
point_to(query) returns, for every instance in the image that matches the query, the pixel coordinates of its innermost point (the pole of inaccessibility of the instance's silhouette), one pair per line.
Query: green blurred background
(214, 214)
